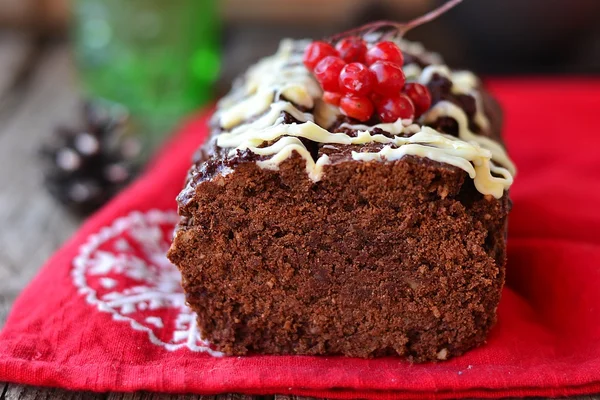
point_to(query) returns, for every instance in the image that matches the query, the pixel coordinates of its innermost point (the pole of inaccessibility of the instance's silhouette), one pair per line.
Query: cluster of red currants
(362, 79)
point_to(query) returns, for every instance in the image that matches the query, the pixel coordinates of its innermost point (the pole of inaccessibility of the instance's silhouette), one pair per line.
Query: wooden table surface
(38, 92)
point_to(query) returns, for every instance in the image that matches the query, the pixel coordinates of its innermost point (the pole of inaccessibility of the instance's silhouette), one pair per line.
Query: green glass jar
(157, 58)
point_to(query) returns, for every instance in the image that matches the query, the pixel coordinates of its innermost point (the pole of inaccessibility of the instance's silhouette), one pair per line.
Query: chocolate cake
(304, 231)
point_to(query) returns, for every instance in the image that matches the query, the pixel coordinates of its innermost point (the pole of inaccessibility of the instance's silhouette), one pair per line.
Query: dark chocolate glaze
(210, 160)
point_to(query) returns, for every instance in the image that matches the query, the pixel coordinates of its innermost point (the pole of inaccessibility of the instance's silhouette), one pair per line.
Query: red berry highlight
(389, 78)
(385, 51)
(332, 98)
(352, 49)
(420, 97)
(327, 72)
(357, 107)
(356, 78)
(315, 52)
(397, 107)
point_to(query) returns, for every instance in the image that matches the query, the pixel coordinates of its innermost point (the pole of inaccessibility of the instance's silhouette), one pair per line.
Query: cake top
(279, 108)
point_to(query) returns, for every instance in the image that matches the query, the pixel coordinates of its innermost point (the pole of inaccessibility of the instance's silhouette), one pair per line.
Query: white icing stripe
(427, 73)
(463, 82)
(447, 109)
(283, 150)
(262, 125)
(442, 155)
(395, 128)
(411, 72)
(247, 108)
(470, 157)
(282, 77)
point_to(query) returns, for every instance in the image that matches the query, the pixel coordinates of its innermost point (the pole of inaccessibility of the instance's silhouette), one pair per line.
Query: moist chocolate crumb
(403, 257)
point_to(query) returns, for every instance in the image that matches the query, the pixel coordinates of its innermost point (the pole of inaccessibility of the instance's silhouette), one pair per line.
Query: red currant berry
(420, 97)
(356, 78)
(389, 78)
(376, 98)
(391, 109)
(357, 107)
(385, 51)
(327, 72)
(315, 52)
(352, 49)
(332, 98)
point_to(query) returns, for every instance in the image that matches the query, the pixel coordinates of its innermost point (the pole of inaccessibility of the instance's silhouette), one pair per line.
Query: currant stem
(430, 16)
(397, 29)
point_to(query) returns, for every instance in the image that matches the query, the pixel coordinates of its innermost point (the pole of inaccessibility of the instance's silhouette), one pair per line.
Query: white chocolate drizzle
(463, 82)
(252, 118)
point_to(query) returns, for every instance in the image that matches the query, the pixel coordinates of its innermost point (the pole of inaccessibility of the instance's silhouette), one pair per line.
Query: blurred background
(178, 54)
(492, 36)
(125, 72)
(90, 88)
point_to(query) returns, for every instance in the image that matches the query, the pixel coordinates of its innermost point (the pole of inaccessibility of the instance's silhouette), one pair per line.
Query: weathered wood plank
(238, 396)
(159, 396)
(21, 392)
(4, 308)
(33, 225)
(15, 51)
(3, 388)
(592, 397)
(156, 396)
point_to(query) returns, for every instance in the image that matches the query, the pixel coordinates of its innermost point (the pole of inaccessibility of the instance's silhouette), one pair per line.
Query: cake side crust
(402, 257)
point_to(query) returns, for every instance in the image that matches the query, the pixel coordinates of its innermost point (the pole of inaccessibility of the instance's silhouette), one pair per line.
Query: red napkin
(106, 312)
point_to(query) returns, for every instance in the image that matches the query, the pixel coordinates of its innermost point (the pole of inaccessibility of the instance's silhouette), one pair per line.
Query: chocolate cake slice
(304, 231)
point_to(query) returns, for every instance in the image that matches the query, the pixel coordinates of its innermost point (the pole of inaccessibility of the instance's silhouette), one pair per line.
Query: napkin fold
(106, 312)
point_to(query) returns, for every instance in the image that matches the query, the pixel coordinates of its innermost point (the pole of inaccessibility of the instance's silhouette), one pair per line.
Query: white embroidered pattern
(123, 270)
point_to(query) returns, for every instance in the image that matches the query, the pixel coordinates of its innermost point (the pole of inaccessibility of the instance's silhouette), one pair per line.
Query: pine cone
(86, 167)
